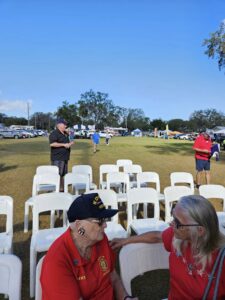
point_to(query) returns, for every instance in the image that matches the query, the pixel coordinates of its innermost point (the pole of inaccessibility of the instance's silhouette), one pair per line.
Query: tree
(42, 120)
(69, 112)
(178, 124)
(216, 46)
(137, 119)
(158, 123)
(208, 118)
(96, 109)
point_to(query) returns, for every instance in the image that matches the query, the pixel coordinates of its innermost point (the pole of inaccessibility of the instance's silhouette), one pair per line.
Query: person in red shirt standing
(80, 264)
(202, 147)
(194, 242)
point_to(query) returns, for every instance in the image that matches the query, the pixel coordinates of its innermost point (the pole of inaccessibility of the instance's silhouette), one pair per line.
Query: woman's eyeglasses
(99, 221)
(177, 224)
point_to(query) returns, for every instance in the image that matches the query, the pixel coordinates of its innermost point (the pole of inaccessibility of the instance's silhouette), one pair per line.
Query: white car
(102, 134)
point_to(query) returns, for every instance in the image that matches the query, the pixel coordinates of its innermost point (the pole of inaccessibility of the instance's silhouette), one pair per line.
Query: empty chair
(150, 177)
(113, 229)
(143, 196)
(136, 259)
(182, 178)
(221, 219)
(173, 194)
(79, 182)
(210, 191)
(38, 289)
(47, 169)
(42, 239)
(122, 181)
(103, 171)
(123, 162)
(6, 208)
(132, 170)
(85, 169)
(10, 276)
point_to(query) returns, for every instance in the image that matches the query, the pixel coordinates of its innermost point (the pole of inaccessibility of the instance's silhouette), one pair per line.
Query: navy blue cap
(61, 121)
(89, 206)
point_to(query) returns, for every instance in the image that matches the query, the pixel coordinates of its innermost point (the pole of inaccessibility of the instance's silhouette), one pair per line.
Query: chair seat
(5, 242)
(115, 230)
(43, 239)
(46, 188)
(121, 197)
(144, 225)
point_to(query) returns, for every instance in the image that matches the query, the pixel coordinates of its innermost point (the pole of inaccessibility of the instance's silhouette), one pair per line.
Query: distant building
(26, 127)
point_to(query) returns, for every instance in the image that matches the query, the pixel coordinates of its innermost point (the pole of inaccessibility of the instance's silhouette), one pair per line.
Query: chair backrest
(172, 194)
(109, 198)
(136, 259)
(105, 169)
(123, 162)
(213, 191)
(45, 178)
(38, 289)
(76, 179)
(118, 177)
(132, 169)
(47, 169)
(149, 177)
(83, 169)
(6, 208)
(10, 276)
(48, 202)
(139, 196)
(182, 177)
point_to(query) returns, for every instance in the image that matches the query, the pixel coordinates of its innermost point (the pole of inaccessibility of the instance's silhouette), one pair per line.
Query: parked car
(102, 134)
(13, 134)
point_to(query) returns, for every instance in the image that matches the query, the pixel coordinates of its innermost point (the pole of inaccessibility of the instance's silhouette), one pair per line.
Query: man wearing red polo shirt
(202, 147)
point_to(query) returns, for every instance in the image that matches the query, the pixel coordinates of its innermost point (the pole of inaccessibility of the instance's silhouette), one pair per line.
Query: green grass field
(19, 159)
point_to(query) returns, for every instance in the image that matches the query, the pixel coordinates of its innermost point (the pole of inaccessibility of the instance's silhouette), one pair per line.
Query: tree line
(95, 108)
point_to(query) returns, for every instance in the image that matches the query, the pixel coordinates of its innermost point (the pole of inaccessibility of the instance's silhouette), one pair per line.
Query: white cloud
(15, 106)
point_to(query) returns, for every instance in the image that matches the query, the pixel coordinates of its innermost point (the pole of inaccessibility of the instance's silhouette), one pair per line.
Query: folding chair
(182, 178)
(132, 171)
(123, 162)
(173, 194)
(103, 171)
(6, 208)
(78, 181)
(136, 259)
(215, 191)
(39, 180)
(38, 288)
(42, 239)
(143, 196)
(120, 180)
(10, 276)
(43, 170)
(85, 169)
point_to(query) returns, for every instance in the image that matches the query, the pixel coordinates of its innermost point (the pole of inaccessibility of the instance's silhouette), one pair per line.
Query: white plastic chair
(46, 169)
(213, 191)
(113, 229)
(172, 194)
(150, 177)
(42, 239)
(132, 171)
(103, 171)
(85, 169)
(143, 196)
(79, 182)
(6, 208)
(123, 162)
(221, 219)
(10, 276)
(182, 178)
(38, 180)
(121, 180)
(38, 288)
(136, 259)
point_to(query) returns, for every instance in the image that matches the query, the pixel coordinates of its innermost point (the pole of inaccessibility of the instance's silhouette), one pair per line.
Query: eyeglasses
(99, 221)
(178, 224)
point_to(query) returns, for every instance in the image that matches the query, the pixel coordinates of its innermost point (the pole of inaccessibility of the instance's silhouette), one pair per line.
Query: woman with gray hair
(195, 244)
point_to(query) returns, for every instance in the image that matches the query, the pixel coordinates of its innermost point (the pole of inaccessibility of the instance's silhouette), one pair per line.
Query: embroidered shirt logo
(103, 264)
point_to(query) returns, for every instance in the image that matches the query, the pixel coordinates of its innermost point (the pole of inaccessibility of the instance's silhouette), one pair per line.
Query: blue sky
(145, 54)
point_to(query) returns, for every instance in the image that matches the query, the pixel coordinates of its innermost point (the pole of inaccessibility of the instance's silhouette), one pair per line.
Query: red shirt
(187, 282)
(203, 144)
(67, 276)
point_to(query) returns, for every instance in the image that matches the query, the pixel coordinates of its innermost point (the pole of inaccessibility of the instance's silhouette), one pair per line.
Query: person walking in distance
(60, 149)
(95, 140)
(202, 147)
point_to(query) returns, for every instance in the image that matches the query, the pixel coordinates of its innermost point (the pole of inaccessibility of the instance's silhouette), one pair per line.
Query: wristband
(128, 297)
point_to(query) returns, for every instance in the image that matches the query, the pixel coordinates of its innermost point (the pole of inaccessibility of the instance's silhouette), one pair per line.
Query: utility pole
(28, 114)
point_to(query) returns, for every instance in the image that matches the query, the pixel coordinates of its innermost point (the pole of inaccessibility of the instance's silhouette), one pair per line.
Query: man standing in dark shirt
(60, 149)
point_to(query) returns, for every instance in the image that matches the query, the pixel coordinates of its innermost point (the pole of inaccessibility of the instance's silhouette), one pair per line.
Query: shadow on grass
(184, 148)
(3, 167)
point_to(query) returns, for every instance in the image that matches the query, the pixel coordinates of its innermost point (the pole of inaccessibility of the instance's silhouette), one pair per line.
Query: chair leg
(33, 260)
(26, 216)
(52, 219)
